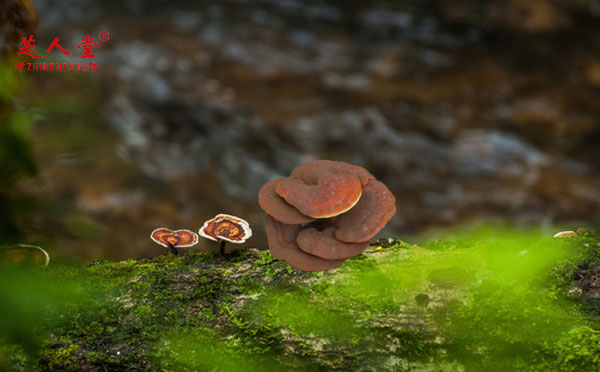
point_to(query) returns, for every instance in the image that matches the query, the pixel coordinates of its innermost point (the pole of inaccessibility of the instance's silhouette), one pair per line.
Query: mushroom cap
(24, 253)
(334, 194)
(323, 244)
(226, 227)
(277, 207)
(565, 234)
(282, 245)
(324, 213)
(311, 172)
(375, 208)
(180, 238)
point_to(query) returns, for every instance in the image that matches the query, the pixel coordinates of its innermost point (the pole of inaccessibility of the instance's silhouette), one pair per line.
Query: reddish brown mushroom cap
(170, 238)
(323, 244)
(375, 208)
(324, 213)
(277, 207)
(311, 172)
(226, 227)
(334, 194)
(282, 245)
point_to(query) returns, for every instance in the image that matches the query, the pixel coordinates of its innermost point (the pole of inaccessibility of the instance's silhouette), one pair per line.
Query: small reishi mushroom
(565, 234)
(173, 239)
(225, 228)
(24, 253)
(324, 213)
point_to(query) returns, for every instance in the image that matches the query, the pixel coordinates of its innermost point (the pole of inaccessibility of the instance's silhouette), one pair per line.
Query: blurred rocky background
(466, 109)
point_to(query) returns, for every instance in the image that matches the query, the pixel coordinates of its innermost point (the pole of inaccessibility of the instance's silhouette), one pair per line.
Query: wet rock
(592, 72)
(463, 109)
(529, 16)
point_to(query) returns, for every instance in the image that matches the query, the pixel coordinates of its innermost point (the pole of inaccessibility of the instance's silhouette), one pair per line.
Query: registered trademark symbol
(104, 36)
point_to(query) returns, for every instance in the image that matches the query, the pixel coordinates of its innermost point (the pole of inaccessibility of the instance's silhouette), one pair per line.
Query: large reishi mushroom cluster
(324, 213)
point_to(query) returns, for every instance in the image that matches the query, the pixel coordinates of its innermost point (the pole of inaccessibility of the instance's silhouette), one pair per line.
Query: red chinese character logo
(27, 47)
(87, 45)
(55, 44)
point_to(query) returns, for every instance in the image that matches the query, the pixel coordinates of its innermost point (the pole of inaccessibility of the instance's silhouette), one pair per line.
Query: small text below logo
(34, 67)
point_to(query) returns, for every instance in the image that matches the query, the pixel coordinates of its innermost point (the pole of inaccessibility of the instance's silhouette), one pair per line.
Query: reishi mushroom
(269, 200)
(565, 234)
(334, 194)
(324, 213)
(173, 239)
(376, 207)
(225, 228)
(324, 244)
(24, 253)
(283, 246)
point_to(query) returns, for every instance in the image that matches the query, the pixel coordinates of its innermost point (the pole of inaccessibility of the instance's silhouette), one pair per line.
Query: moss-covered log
(465, 304)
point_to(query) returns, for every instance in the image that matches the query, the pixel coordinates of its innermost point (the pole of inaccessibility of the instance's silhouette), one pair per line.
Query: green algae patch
(481, 301)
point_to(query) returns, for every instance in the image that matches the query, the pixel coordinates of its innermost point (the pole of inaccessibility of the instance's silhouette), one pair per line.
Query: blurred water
(463, 108)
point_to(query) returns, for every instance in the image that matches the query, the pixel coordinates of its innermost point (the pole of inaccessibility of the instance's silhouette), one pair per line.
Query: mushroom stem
(173, 250)
(222, 246)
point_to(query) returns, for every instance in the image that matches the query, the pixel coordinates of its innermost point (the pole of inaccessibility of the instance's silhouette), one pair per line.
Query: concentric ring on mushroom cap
(375, 208)
(282, 245)
(226, 227)
(323, 244)
(334, 194)
(179, 238)
(310, 172)
(277, 207)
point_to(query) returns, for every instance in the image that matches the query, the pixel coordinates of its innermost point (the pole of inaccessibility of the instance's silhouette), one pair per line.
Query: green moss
(211, 285)
(63, 358)
(323, 288)
(577, 350)
(361, 262)
(270, 266)
(254, 336)
(15, 356)
(491, 305)
(205, 350)
(250, 286)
